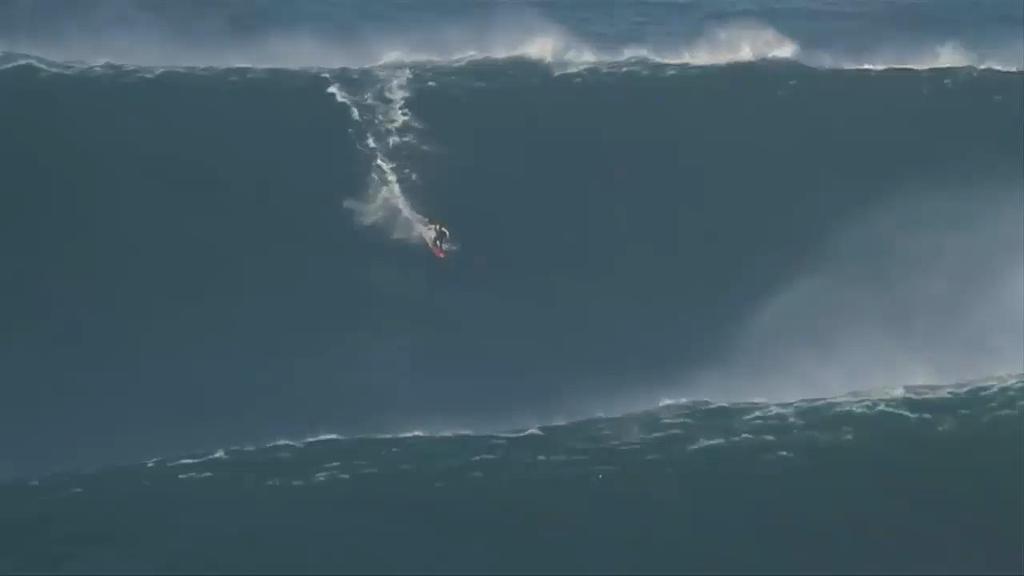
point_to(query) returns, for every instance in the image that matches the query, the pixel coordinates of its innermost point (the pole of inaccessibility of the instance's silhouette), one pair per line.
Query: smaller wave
(744, 437)
(872, 407)
(950, 54)
(528, 432)
(322, 438)
(324, 476)
(278, 443)
(706, 424)
(771, 411)
(304, 441)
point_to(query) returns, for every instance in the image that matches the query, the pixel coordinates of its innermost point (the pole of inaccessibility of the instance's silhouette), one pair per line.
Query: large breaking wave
(736, 209)
(986, 33)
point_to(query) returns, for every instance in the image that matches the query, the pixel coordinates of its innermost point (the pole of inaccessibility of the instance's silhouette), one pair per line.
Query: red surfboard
(430, 244)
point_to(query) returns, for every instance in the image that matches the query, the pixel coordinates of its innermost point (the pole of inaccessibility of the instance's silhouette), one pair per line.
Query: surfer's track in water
(216, 236)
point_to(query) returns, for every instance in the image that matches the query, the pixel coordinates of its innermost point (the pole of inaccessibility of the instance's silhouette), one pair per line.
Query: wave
(605, 261)
(729, 43)
(705, 487)
(693, 417)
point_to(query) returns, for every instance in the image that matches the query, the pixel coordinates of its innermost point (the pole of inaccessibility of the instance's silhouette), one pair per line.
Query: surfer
(440, 235)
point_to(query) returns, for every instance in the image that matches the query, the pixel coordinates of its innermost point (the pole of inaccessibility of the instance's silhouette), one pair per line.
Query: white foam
(291, 443)
(194, 475)
(702, 443)
(735, 42)
(327, 475)
(323, 437)
(755, 437)
(664, 433)
(950, 54)
(457, 432)
(873, 406)
(387, 123)
(529, 432)
(679, 420)
(771, 411)
(344, 98)
(219, 454)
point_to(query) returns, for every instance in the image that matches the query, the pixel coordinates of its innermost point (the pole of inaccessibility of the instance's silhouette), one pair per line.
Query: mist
(926, 289)
(356, 34)
(309, 35)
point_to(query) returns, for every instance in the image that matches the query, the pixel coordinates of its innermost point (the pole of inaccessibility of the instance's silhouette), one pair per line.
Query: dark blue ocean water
(910, 480)
(210, 236)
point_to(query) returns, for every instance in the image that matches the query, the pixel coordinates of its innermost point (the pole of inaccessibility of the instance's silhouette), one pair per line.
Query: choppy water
(911, 479)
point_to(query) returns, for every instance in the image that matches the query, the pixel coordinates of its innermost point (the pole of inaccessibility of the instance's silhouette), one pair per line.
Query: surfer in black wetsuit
(440, 235)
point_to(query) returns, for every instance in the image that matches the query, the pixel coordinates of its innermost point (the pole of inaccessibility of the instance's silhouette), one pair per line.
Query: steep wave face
(648, 201)
(228, 253)
(212, 224)
(913, 479)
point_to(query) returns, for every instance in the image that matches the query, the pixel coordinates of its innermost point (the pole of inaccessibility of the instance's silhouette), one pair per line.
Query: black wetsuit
(440, 235)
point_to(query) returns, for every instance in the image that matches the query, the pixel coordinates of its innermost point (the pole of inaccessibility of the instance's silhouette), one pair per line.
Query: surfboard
(430, 244)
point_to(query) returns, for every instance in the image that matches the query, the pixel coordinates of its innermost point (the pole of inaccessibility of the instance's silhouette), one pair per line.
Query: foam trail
(386, 121)
(344, 98)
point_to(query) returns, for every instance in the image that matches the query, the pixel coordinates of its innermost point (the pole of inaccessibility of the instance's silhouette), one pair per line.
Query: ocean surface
(919, 479)
(734, 286)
